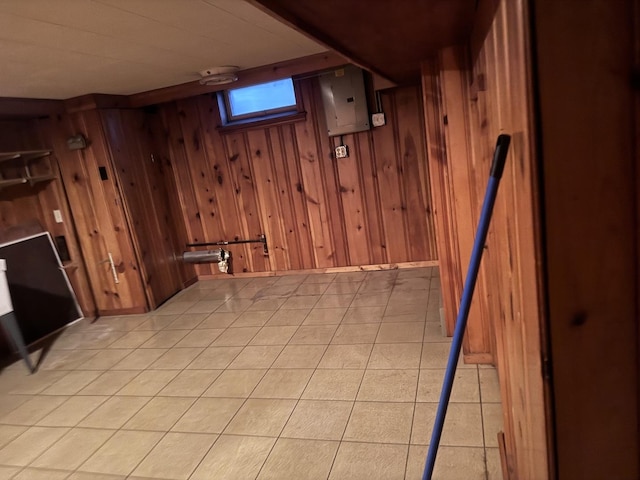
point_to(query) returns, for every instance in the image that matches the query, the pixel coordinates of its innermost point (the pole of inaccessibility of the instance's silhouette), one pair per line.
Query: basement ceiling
(67, 48)
(387, 37)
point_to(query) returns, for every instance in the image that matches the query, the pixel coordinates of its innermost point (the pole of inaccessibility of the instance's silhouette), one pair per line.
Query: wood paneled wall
(588, 70)
(23, 203)
(98, 212)
(470, 98)
(144, 174)
(373, 207)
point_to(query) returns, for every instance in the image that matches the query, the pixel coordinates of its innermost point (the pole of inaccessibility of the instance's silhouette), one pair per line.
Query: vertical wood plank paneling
(482, 98)
(317, 212)
(371, 199)
(225, 187)
(353, 206)
(385, 148)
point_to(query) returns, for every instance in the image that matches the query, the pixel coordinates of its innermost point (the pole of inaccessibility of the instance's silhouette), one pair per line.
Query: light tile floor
(295, 377)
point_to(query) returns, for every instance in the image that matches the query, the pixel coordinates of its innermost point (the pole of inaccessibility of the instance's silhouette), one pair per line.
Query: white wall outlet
(342, 151)
(57, 215)
(378, 120)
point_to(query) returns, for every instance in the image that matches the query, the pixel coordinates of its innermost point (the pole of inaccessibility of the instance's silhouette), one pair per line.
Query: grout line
(484, 440)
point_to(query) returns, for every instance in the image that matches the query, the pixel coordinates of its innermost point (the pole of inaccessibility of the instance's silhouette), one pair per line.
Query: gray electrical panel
(345, 101)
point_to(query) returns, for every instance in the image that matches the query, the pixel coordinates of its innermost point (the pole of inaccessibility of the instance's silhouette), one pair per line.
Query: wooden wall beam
(29, 107)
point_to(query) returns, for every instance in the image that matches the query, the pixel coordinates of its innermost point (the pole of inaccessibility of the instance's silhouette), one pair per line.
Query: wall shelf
(27, 159)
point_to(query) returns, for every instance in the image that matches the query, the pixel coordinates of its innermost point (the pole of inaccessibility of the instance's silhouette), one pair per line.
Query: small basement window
(260, 102)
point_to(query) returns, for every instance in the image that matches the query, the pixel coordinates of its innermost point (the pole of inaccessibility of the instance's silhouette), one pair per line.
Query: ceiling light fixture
(219, 75)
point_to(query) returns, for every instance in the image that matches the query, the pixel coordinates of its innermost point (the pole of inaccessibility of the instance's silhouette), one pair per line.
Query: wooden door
(141, 177)
(96, 205)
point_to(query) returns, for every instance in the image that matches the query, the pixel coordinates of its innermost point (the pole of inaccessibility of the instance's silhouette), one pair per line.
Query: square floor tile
(208, 415)
(235, 383)
(156, 322)
(165, 339)
(494, 464)
(288, 317)
(320, 278)
(367, 299)
(299, 356)
(355, 333)
(94, 476)
(308, 459)
(400, 332)
(105, 359)
(454, 463)
(215, 358)
(190, 383)
(202, 337)
(279, 335)
(114, 412)
(333, 385)
(389, 386)
(32, 411)
(325, 316)
(159, 414)
(72, 383)
(335, 301)
(259, 356)
(364, 315)
(236, 337)
(313, 335)
(266, 304)
(71, 412)
(366, 461)
(148, 383)
(283, 383)
(41, 474)
(109, 382)
(32, 384)
(465, 386)
(176, 358)
(140, 359)
(380, 422)
(253, 319)
(262, 417)
(132, 339)
(489, 385)
(346, 356)
(318, 419)
(395, 355)
(8, 472)
(122, 452)
(436, 355)
(300, 301)
(204, 306)
(311, 289)
(29, 445)
(187, 321)
(73, 449)
(176, 456)
(9, 432)
(462, 426)
(402, 309)
(492, 423)
(342, 288)
(219, 320)
(234, 458)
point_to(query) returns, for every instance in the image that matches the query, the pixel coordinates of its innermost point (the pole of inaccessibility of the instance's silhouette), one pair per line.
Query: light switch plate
(57, 215)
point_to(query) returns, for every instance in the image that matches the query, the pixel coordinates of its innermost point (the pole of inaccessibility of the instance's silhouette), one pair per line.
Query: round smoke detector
(219, 75)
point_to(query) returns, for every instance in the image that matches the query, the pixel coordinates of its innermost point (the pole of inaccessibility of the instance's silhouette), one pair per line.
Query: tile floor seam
(484, 440)
(300, 397)
(344, 430)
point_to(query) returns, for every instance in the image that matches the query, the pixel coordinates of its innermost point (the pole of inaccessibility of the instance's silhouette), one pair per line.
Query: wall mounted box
(345, 101)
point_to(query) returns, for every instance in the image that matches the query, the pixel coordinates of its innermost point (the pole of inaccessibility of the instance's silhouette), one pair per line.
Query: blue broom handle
(497, 167)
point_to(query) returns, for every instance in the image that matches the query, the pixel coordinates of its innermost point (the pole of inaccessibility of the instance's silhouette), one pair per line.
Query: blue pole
(497, 167)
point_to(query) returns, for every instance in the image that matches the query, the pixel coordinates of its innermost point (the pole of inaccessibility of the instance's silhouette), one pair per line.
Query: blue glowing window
(261, 99)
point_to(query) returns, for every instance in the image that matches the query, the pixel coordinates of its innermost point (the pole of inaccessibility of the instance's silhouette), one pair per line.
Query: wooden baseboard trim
(479, 358)
(361, 268)
(504, 464)
(189, 282)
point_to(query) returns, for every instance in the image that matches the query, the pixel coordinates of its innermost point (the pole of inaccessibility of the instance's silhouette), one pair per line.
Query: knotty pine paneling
(282, 180)
(482, 93)
(24, 204)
